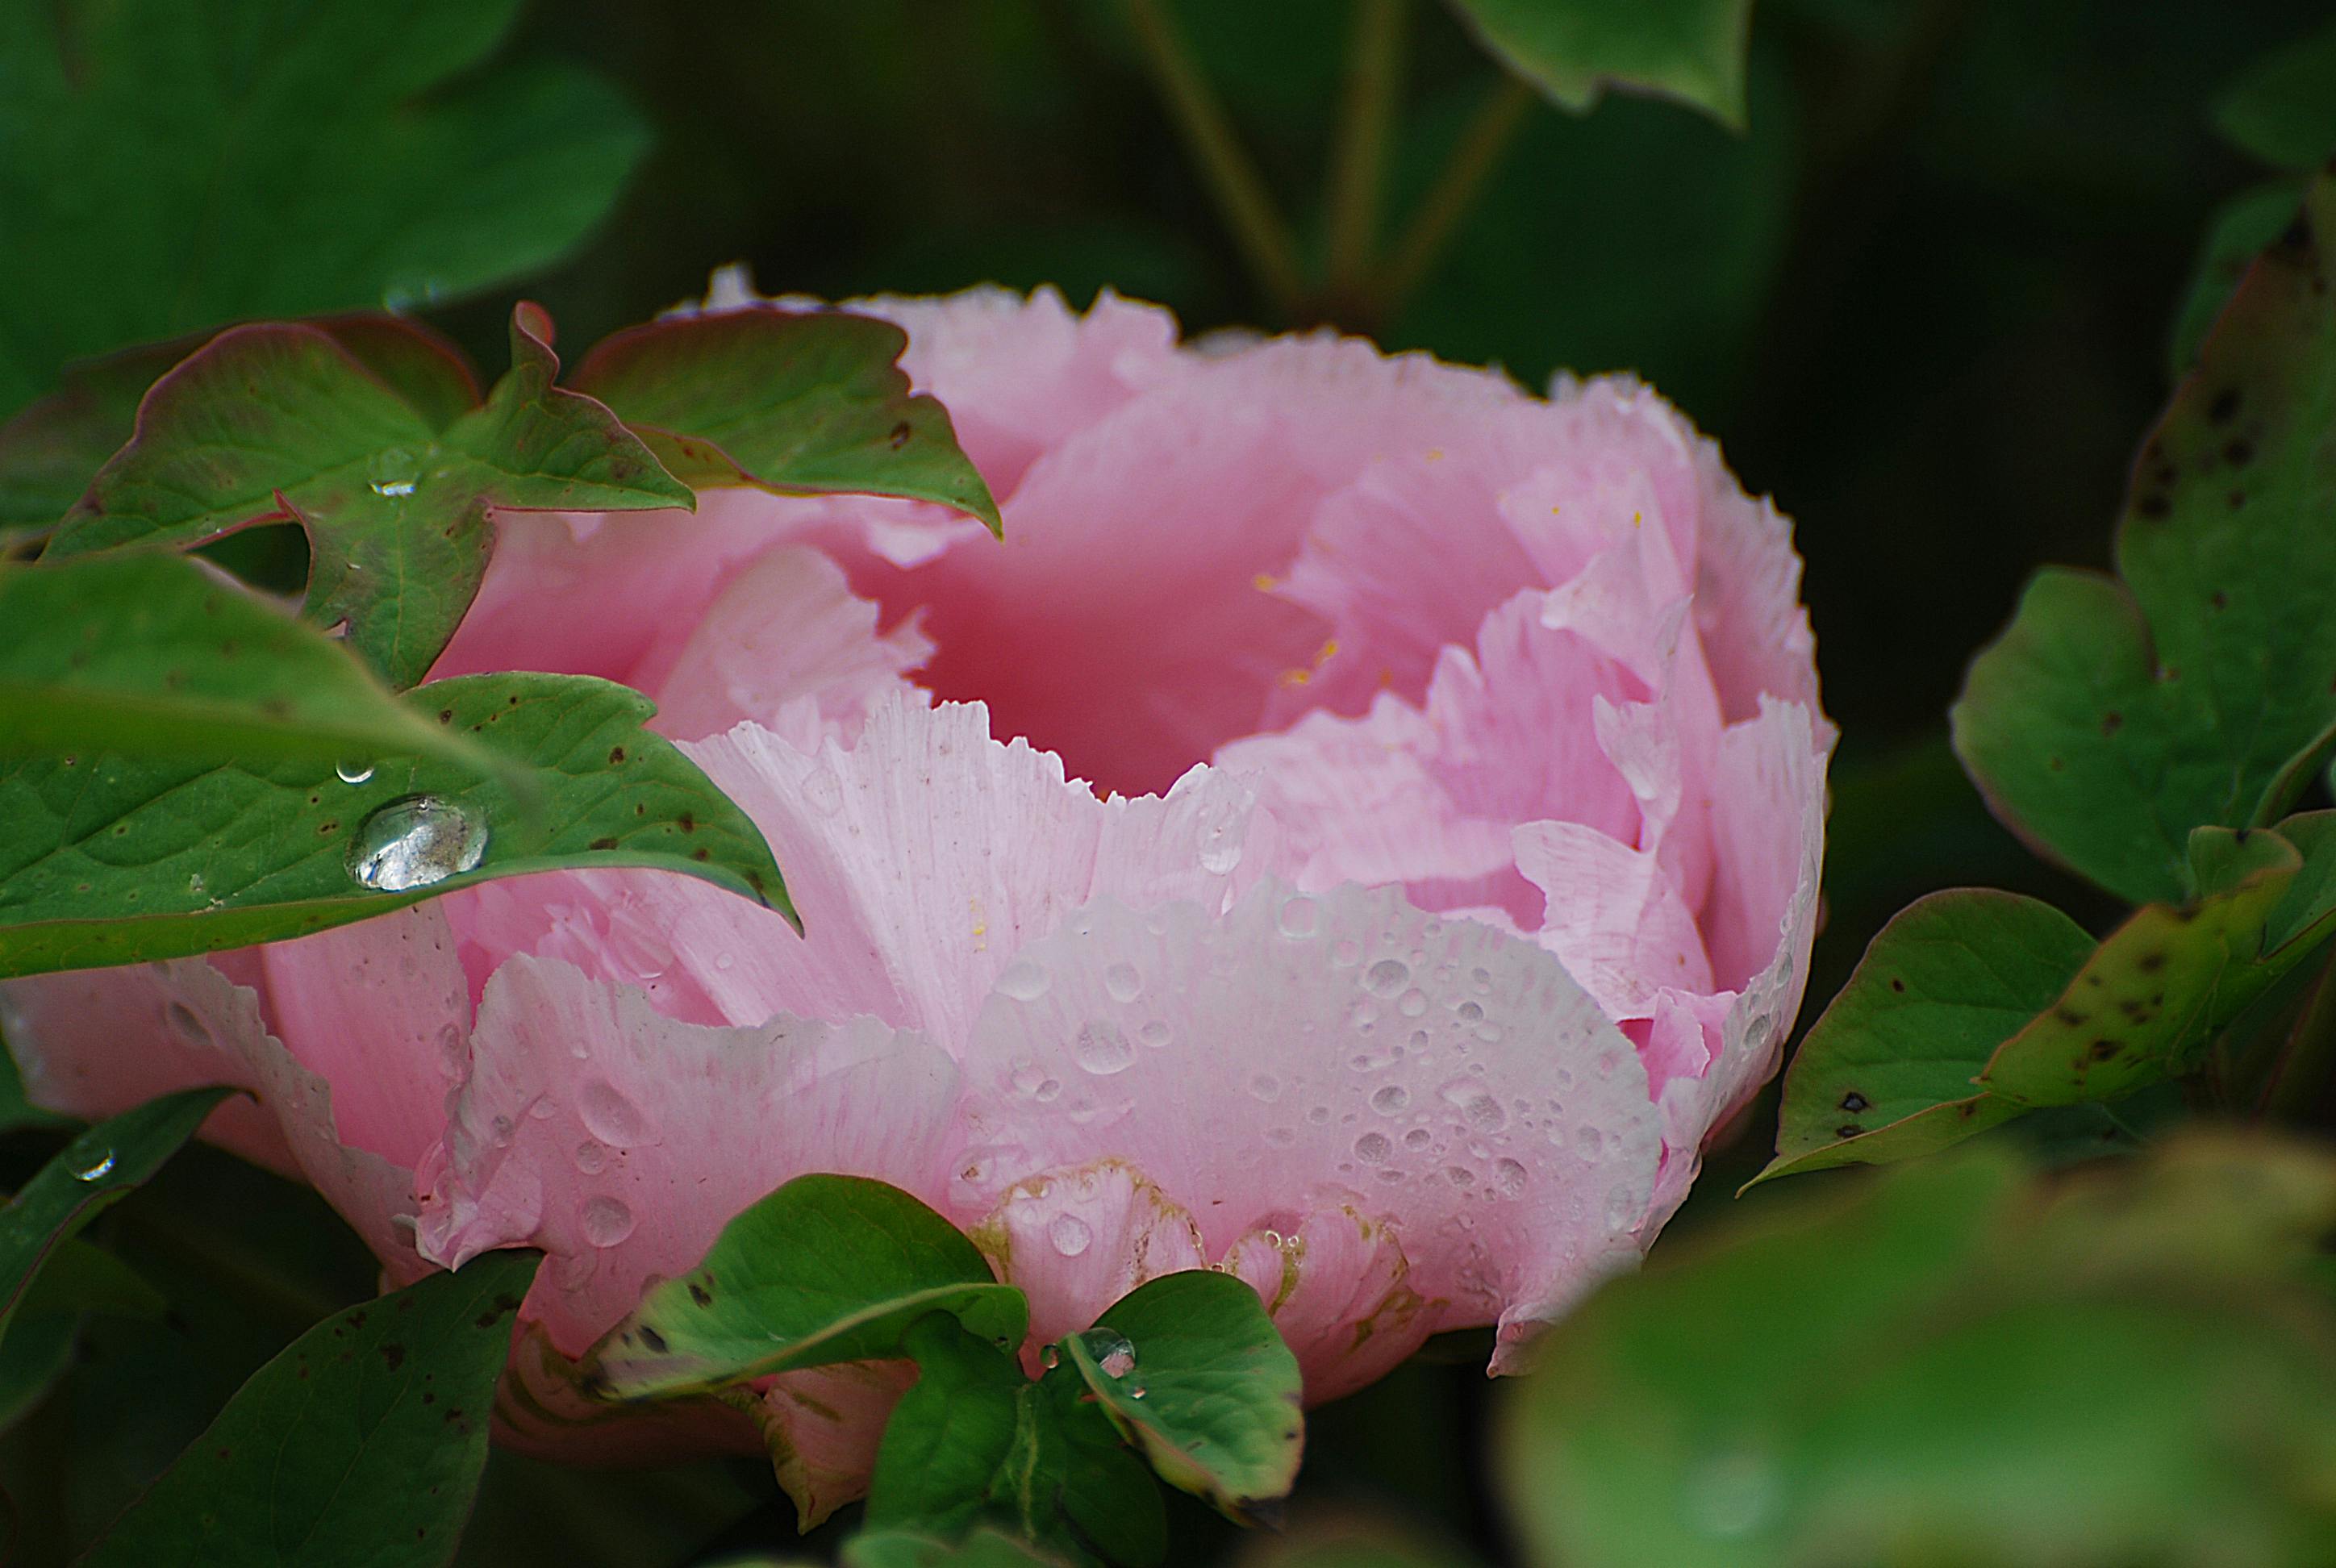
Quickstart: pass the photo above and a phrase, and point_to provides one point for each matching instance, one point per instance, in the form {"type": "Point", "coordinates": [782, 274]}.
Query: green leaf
{"type": "Point", "coordinates": [826, 1269]}
{"type": "Point", "coordinates": [2113, 718]}
{"type": "Point", "coordinates": [176, 168]}
{"type": "Point", "coordinates": [2239, 230]}
{"type": "Point", "coordinates": [2160, 987]}
{"type": "Point", "coordinates": [1954, 1365]}
{"type": "Point", "coordinates": [791, 401]}
{"type": "Point", "coordinates": [361, 1443]}
{"type": "Point", "coordinates": [97, 1170]}
{"type": "Point", "coordinates": [1890, 1071]}
{"type": "Point", "coordinates": [1572, 50]}
{"type": "Point", "coordinates": [984, 1548]}
{"type": "Point", "coordinates": [2282, 108]}
{"type": "Point", "coordinates": [2308, 911]}
{"type": "Point", "coordinates": [39, 1346]}
{"type": "Point", "coordinates": [51, 450]}
{"type": "Point", "coordinates": [109, 861]}
{"type": "Point", "coordinates": [1194, 1375]}
{"type": "Point", "coordinates": [282, 424]}
{"type": "Point", "coordinates": [151, 656]}
{"type": "Point", "coordinates": [973, 1442]}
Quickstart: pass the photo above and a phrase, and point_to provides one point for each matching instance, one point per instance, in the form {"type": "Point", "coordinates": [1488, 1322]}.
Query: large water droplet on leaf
{"type": "Point", "coordinates": [353, 773]}
{"type": "Point", "coordinates": [416, 841]}
{"type": "Point", "coordinates": [95, 1169]}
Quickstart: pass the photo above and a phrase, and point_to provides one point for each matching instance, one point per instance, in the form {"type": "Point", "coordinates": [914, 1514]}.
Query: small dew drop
{"type": "Point", "coordinates": [1469, 1012]}
{"type": "Point", "coordinates": [1050, 1358]}
{"type": "Point", "coordinates": [591, 1156]}
{"type": "Point", "coordinates": [1156, 1034]}
{"type": "Point", "coordinates": [1414, 1003]}
{"type": "Point", "coordinates": [823, 791]}
{"type": "Point", "coordinates": [353, 773]}
{"type": "Point", "coordinates": [1387, 976]}
{"type": "Point", "coordinates": [1390, 1098]}
{"type": "Point", "coordinates": [1591, 1143]}
{"type": "Point", "coordinates": [1298, 919]}
{"type": "Point", "coordinates": [415, 842]}
{"type": "Point", "coordinates": [1070, 1235]}
{"type": "Point", "coordinates": [606, 1220]}
{"type": "Point", "coordinates": [1024, 980]}
{"type": "Point", "coordinates": [1117, 1359]}
{"type": "Point", "coordinates": [95, 1170]}
{"type": "Point", "coordinates": [1137, 1392]}
{"type": "Point", "coordinates": [609, 1117]}
{"type": "Point", "coordinates": [1102, 1050]}
{"type": "Point", "coordinates": [1373, 1148]}
{"type": "Point", "coordinates": [1347, 953]}
{"type": "Point", "coordinates": [1509, 1176]}
{"type": "Point", "coordinates": [1265, 1087]}
{"type": "Point", "coordinates": [1417, 1139]}
{"type": "Point", "coordinates": [1477, 1106]}
{"type": "Point", "coordinates": [394, 473]}
{"type": "Point", "coordinates": [1221, 848]}
{"type": "Point", "coordinates": [1123, 981]}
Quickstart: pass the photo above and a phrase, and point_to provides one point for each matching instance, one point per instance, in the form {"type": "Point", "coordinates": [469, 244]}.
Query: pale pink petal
{"type": "Point", "coordinates": [93, 1043]}
{"type": "Point", "coordinates": [1338, 1285]}
{"type": "Point", "coordinates": [380, 1011]}
{"type": "Point", "coordinates": [921, 859]}
{"type": "Point", "coordinates": [1427, 797]}
{"type": "Point", "coordinates": [1297, 1055]}
{"type": "Point", "coordinates": [1613, 918]}
{"type": "Point", "coordinates": [786, 644]}
{"type": "Point", "coordinates": [620, 1142]}
{"type": "Point", "coordinates": [822, 1426]}
{"type": "Point", "coordinates": [1076, 1241]}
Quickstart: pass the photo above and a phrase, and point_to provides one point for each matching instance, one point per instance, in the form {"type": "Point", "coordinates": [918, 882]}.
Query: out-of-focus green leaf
{"type": "Point", "coordinates": [2241, 227]}
{"type": "Point", "coordinates": [1572, 50]}
{"type": "Point", "coordinates": [172, 168]}
{"type": "Point", "coordinates": [281, 423]}
{"type": "Point", "coordinates": [2282, 108]}
{"type": "Point", "coordinates": [109, 861]}
{"type": "Point", "coordinates": [150, 656]}
{"type": "Point", "coordinates": [793, 401]}
{"type": "Point", "coordinates": [984, 1548]}
{"type": "Point", "coordinates": [1890, 1071]}
{"type": "Point", "coordinates": [1195, 1375]}
{"type": "Point", "coordinates": [361, 1444]}
{"type": "Point", "coordinates": [2115, 716]}
{"type": "Point", "coordinates": [826, 1269]}
{"type": "Point", "coordinates": [97, 1170]}
{"type": "Point", "coordinates": [39, 1347]}
{"type": "Point", "coordinates": [1954, 1367]}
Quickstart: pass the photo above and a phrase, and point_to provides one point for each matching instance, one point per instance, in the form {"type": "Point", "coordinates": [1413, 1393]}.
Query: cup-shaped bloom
{"type": "Point", "coordinates": [1360, 830]}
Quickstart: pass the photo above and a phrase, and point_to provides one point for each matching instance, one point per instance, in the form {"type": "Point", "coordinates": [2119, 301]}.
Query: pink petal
{"type": "Point", "coordinates": [382, 1011]}
{"type": "Point", "coordinates": [786, 644]}
{"type": "Point", "coordinates": [920, 858]}
{"type": "Point", "coordinates": [1349, 1051]}
{"type": "Point", "coordinates": [1338, 1285]}
{"type": "Point", "coordinates": [1613, 918]}
{"type": "Point", "coordinates": [91, 1043]}
{"type": "Point", "coordinates": [1076, 1241]}
{"type": "Point", "coordinates": [621, 1141]}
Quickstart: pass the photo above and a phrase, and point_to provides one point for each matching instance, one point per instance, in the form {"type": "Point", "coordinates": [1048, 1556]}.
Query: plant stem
{"type": "Point", "coordinates": [1472, 160]}
{"type": "Point", "coordinates": [1233, 180]}
{"type": "Point", "coordinates": [1359, 164]}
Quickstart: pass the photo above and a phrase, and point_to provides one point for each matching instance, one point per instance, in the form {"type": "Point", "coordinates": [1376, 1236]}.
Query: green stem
{"type": "Point", "coordinates": [1366, 120]}
{"type": "Point", "coordinates": [1464, 174]}
{"type": "Point", "coordinates": [1233, 180]}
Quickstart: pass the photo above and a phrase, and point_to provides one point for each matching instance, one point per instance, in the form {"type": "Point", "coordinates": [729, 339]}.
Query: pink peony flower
{"type": "Point", "coordinates": [1360, 830]}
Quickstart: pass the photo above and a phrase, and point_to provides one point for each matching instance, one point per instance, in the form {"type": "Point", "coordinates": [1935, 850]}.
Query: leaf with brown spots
{"type": "Point", "coordinates": [2215, 645]}
{"type": "Point", "coordinates": [283, 423]}
{"type": "Point", "coordinates": [797, 401]}
{"type": "Point", "coordinates": [1888, 1072]}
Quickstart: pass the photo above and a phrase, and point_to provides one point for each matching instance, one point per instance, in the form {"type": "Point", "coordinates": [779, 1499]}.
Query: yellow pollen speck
{"type": "Point", "coordinates": [1296, 677]}
{"type": "Point", "coordinates": [1266, 582]}
{"type": "Point", "coordinates": [1638, 517]}
{"type": "Point", "coordinates": [1329, 649]}
{"type": "Point", "coordinates": [1436, 454]}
